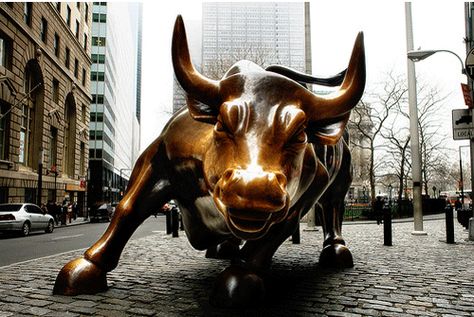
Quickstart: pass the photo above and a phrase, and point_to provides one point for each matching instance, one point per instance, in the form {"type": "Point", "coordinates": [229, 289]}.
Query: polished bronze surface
{"type": "Point", "coordinates": [247, 158]}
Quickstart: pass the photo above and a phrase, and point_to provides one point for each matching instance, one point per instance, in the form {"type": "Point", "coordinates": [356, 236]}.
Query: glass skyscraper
{"type": "Point", "coordinates": [115, 89]}
{"type": "Point", "coordinates": [263, 32]}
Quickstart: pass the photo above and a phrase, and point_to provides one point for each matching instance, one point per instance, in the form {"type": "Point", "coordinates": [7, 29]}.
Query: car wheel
{"type": "Point", "coordinates": [50, 227]}
{"type": "Point", "coordinates": [25, 229]}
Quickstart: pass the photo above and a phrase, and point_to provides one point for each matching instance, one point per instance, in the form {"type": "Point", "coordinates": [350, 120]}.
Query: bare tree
{"type": "Point", "coordinates": [221, 63]}
{"type": "Point", "coordinates": [370, 117]}
{"type": "Point", "coordinates": [433, 153]}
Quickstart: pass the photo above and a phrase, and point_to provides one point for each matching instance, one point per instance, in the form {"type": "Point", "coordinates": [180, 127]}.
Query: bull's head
{"type": "Point", "coordinates": [262, 125]}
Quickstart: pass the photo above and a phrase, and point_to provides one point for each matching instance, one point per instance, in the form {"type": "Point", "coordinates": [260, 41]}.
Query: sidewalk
{"type": "Point", "coordinates": [163, 276]}
{"type": "Point", "coordinates": [74, 222]}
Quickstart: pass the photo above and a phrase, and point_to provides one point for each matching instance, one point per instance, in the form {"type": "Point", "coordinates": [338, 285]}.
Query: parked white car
{"type": "Point", "coordinates": [24, 218]}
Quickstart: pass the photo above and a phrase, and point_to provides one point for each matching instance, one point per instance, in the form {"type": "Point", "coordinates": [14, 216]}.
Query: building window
{"type": "Point", "coordinates": [4, 190]}
{"type": "Point", "coordinates": [84, 113]}
{"type": "Point", "coordinates": [98, 41]}
{"type": "Point", "coordinates": [77, 29]}
{"type": "Point", "coordinates": [25, 124]}
{"type": "Point", "coordinates": [27, 10]}
{"type": "Point", "coordinates": [44, 29]}
{"type": "Point", "coordinates": [86, 15]}
{"type": "Point", "coordinates": [5, 51]}
{"type": "Point", "coordinates": [53, 150]}
{"type": "Point", "coordinates": [58, 7]}
{"type": "Point", "coordinates": [78, 4]}
{"type": "Point", "coordinates": [30, 195]}
{"type": "Point", "coordinates": [98, 58]}
{"type": "Point", "coordinates": [56, 91]}
{"type": "Point", "coordinates": [99, 17]}
{"type": "Point", "coordinates": [76, 68]}
{"type": "Point", "coordinates": [98, 99]}
{"type": "Point", "coordinates": [85, 41]}
{"type": "Point", "coordinates": [4, 129]}
{"type": "Point", "coordinates": [97, 76]}
{"type": "Point", "coordinates": [68, 58]}
{"type": "Point", "coordinates": [82, 159]}
{"type": "Point", "coordinates": [56, 44]}
{"type": "Point", "coordinates": [84, 75]}
{"type": "Point", "coordinates": [68, 16]}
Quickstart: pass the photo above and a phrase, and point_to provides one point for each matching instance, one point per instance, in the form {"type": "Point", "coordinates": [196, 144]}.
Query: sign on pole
{"type": "Point", "coordinates": [470, 64]}
{"type": "Point", "coordinates": [462, 124]}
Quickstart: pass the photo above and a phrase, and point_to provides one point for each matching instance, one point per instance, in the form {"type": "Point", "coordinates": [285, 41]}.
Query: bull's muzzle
{"type": "Point", "coordinates": [251, 201]}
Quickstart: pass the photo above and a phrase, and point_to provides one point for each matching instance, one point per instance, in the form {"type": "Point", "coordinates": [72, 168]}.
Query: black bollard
{"type": "Point", "coordinates": [387, 225]}
{"type": "Point", "coordinates": [168, 221]}
{"type": "Point", "coordinates": [174, 222]}
{"type": "Point", "coordinates": [449, 224]}
{"type": "Point", "coordinates": [295, 238]}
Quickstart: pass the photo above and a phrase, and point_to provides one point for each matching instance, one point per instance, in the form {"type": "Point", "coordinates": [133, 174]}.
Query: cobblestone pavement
{"type": "Point", "coordinates": [163, 276]}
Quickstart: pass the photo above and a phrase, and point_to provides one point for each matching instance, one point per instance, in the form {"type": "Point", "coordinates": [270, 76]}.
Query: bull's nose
{"type": "Point", "coordinates": [248, 189]}
{"type": "Point", "coordinates": [271, 179]}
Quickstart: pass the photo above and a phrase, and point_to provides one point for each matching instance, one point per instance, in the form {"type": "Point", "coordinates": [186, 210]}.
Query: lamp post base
{"type": "Point", "coordinates": [471, 229]}
{"type": "Point", "coordinates": [419, 233]}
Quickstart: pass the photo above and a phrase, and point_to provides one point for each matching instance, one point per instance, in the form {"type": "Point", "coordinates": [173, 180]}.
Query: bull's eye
{"type": "Point", "coordinates": [219, 127]}
{"type": "Point", "coordinates": [299, 137]}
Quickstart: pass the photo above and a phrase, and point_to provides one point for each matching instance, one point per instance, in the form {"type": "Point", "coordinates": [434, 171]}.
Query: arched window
{"type": "Point", "coordinates": [69, 136]}
{"type": "Point", "coordinates": [31, 119]}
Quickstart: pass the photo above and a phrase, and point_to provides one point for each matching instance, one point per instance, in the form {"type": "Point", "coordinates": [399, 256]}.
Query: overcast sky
{"type": "Point", "coordinates": [436, 25]}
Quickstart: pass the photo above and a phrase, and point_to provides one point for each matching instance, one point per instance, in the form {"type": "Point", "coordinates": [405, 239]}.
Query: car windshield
{"type": "Point", "coordinates": [10, 207]}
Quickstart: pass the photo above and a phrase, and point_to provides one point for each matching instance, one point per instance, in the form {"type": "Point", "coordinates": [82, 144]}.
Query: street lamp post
{"type": "Point", "coordinates": [414, 135]}
{"type": "Point", "coordinates": [419, 55]}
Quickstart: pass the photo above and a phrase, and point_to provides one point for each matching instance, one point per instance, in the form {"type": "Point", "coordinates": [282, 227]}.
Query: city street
{"type": "Point", "coordinates": [163, 276]}
{"type": "Point", "coordinates": [39, 244]}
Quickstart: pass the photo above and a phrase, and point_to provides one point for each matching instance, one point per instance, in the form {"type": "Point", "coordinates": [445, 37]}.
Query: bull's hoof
{"type": "Point", "coordinates": [225, 250]}
{"type": "Point", "coordinates": [336, 256]}
{"type": "Point", "coordinates": [80, 276]}
{"type": "Point", "coordinates": [237, 287]}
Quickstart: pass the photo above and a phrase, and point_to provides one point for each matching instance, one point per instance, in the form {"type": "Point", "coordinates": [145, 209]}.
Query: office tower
{"type": "Point", "coordinates": [115, 82]}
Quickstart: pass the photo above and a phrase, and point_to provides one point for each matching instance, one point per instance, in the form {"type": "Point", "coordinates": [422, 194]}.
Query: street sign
{"type": "Point", "coordinates": [462, 124]}
{"type": "Point", "coordinates": [466, 91]}
{"type": "Point", "coordinates": [470, 64]}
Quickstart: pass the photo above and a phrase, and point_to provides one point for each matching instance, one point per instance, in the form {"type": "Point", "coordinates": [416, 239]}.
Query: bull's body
{"type": "Point", "coordinates": [247, 158]}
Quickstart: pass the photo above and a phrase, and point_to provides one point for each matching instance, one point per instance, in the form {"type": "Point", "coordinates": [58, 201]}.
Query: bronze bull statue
{"type": "Point", "coordinates": [247, 158]}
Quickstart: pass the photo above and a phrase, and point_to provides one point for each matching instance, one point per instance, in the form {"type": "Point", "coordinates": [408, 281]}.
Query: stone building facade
{"type": "Point", "coordinates": [45, 99]}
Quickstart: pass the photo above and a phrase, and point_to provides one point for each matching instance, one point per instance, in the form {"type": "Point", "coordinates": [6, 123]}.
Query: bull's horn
{"type": "Point", "coordinates": [335, 105]}
{"type": "Point", "coordinates": [196, 85]}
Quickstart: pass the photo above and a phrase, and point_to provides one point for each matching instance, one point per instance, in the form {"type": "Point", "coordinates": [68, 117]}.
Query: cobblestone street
{"type": "Point", "coordinates": [163, 276]}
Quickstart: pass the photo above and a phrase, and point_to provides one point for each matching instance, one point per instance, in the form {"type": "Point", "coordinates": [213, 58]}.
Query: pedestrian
{"type": "Point", "coordinates": [378, 209]}
{"type": "Point", "coordinates": [64, 212]}
{"type": "Point", "coordinates": [75, 210]}
{"type": "Point", "coordinates": [69, 211]}
{"type": "Point", "coordinates": [458, 204]}
{"type": "Point", "coordinates": [44, 208]}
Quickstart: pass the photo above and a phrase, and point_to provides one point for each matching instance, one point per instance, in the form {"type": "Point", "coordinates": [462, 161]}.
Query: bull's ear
{"type": "Point", "coordinates": [327, 132]}
{"type": "Point", "coordinates": [201, 112]}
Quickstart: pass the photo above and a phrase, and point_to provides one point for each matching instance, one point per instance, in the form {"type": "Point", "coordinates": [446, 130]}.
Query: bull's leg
{"type": "Point", "coordinates": [147, 191]}
{"type": "Point", "coordinates": [335, 253]}
{"type": "Point", "coordinates": [229, 249]}
{"type": "Point", "coordinates": [242, 284]}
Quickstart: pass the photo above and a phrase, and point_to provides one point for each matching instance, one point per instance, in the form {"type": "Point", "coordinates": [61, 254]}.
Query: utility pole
{"type": "Point", "coordinates": [414, 134]}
